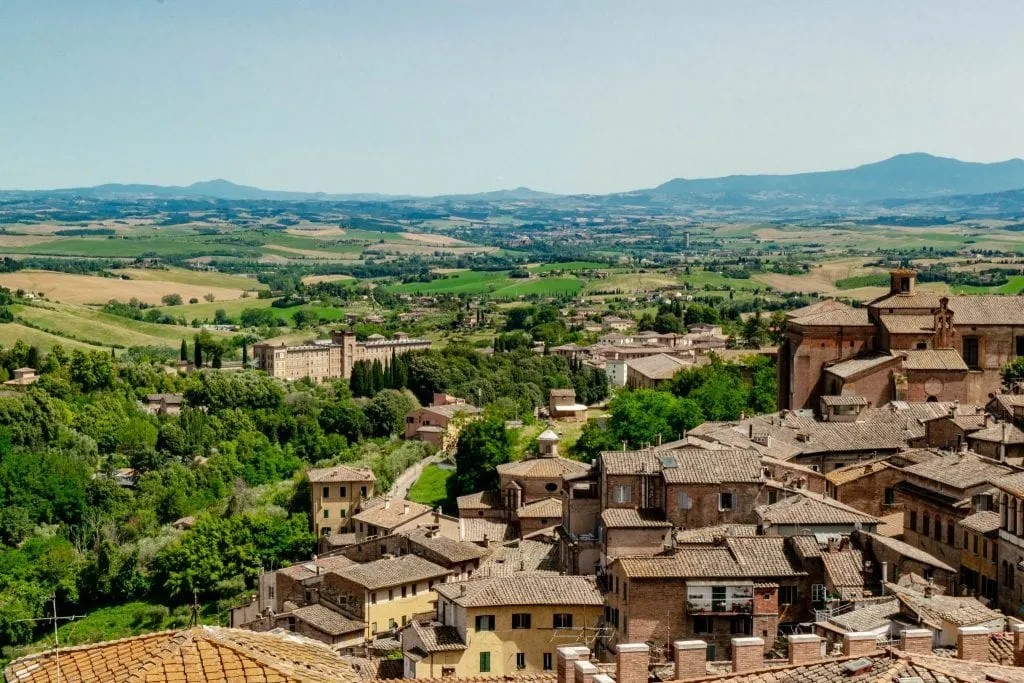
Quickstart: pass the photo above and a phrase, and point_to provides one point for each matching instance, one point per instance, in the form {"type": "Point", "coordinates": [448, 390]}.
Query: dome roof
{"type": "Point", "coordinates": [547, 435]}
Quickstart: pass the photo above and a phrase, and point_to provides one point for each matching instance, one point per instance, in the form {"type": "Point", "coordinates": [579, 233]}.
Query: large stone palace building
{"type": "Point", "coordinates": [910, 345]}
{"type": "Point", "coordinates": [330, 358]}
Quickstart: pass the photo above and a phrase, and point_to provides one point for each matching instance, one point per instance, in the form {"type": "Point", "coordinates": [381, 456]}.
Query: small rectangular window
{"type": "Point", "coordinates": [485, 662]}
{"type": "Point", "coordinates": [520, 660]}
{"type": "Point", "coordinates": [327, 492]}
{"type": "Point", "coordinates": [327, 513]}
{"type": "Point", "coordinates": [485, 622]}
{"type": "Point", "coordinates": [373, 598]}
{"type": "Point", "coordinates": [341, 492]}
{"type": "Point", "coordinates": [890, 496]}
{"type": "Point", "coordinates": [725, 501]}
{"type": "Point", "coordinates": [404, 589]}
{"type": "Point", "coordinates": [520, 620]}
{"type": "Point", "coordinates": [971, 353]}
{"type": "Point", "coordinates": [913, 520]}
{"type": "Point", "coordinates": [703, 624]}
{"type": "Point", "coordinates": [975, 545]}
{"type": "Point", "coordinates": [787, 595]}
{"type": "Point", "coordinates": [623, 494]}
{"type": "Point", "coordinates": [547, 661]}
{"type": "Point", "coordinates": [562, 621]}
{"type": "Point", "coordinates": [1020, 346]}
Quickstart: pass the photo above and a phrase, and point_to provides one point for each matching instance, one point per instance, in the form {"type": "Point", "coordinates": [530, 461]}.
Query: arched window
{"type": "Point", "coordinates": [926, 525]}
{"type": "Point", "coordinates": [1013, 515]}
{"type": "Point", "coordinates": [950, 534]}
{"type": "Point", "coordinates": [938, 529]}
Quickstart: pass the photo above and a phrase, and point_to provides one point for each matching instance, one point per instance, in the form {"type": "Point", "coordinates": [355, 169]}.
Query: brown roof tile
{"type": "Point", "coordinates": [391, 513]}
{"type": "Point", "coordinates": [542, 468]}
{"type": "Point", "coordinates": [933, 359]}
{"type": "Point", "coordinates": [960, 471]}
{"type": "Point", "coordinates": [523, 589]}
{"type": "Point", "coordinates": [633, 518]}
{"type": "Point", "coordinates": [808, 508]}
{"type": "Point", "coordinates": [983, 522]}
{"type": "Point", "coordinates": [198, 654]}
{"type": "Point", "coordinates": [392, 571]}
{"type": "Point", "coordinates": [325, 619]}
{"type": "Point", "coordinates": [340, 473]}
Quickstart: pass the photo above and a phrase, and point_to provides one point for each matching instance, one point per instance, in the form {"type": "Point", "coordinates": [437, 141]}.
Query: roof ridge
{"type": "Point", "coordinates": [282, 665]}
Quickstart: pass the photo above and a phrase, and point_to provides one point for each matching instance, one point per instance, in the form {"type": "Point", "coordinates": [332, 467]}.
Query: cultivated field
{"type": "Point", "coordinates": [90, 289]}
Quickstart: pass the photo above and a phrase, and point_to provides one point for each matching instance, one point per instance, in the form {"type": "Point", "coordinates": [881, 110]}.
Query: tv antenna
{"type": "Point", "coordinates": [56, 618]}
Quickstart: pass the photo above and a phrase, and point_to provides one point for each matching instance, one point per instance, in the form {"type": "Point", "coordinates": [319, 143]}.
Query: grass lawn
{"type": "Point", "coordinates": [1014, 286]}
{"type": "Point", "coordinates": [570, 266]}
{"type": "Point", "coordinates": [206, 310]}
{"type": "Point", "coordinates": [10, 333]}
{"type": "Point", "coordinates": [430, 488]}
{"type": "Point", "coordinates": [111, 623]}
{"type": "Point", "coordinates": [200, 278]}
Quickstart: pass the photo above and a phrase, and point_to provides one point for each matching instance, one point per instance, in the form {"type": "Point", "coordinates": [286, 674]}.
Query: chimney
{"type": "Point", "coordinates": [690, 659]}
{"type": "Point", "coordinates": [631, 662]}
{"type": "Point", "coordinates": [750, 431]}
{"type": "Point", "coordinates": [858, 644]}
{"type": "Point", "coordinates": [567, 657]}
{"type": "Point", "coordinates": [804, 648]}
{"type": "Point", "coordinates": [916, 641]}
{"type": "Point", "coordinates": [972, 643]}
{"type": "Point", "coordinates": [1018, 644]}
{"type": "Point", "coordinates": [387, 502]}
{"type": "Point", "coordinates": [747, 654]}
{"type": "Point", "coordinates": [405, 508]}
{"type": "Point", "coordinates": [584, 671]}
{"type": "Point", "coordinates": [659, 437]}
{"type": "Point", "coordinates": [885, 573]}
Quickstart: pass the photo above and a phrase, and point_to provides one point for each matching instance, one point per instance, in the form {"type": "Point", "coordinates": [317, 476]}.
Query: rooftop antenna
{"type": "Point", "coordinates": [193, 619]}
{"type": "Point", "coordinates": [56, 638]}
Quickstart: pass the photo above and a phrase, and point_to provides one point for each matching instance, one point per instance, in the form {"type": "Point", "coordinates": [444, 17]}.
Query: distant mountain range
{"type": "Point", "coordinates": [891, 182]}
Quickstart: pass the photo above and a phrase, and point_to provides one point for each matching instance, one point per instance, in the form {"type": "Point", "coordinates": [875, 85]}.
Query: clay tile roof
{"type": "Point", "coordinates": [657, 367]}
{"type": "Point", "coordinates": [483, 500]}
{"type": "Point", "coordinates": [909, 551]}
{"type": "Point", "coordinates": [195, 655]}
{"type": "Point", "coordinates": [438, 637]}
{"type": "Point", "coordinates": [806, 508]}
{"type": "Point", "coordinates": [708, 534]}
{"type": "Point", "coordinates": [454, 551]}
{"type": "Point", "coordinates": [393, 571]}
{"type": "Point", "coordinates": [630, 462]}
{"type": "Point", "coordinates": [838, 317]}
{"type": "Point", "coordinates": [868, 617]}
{"type": "Point", "coordinates": [526, 555]}
{"type": "Point", "coordinates": [848, 368]}
{"type": "Point", "coordinates": [695, 466]}
{"type": "Point", "coordinates": [844, 400]}
{"type": "Point", "coordinates": [632, 518]}
{"type": "Point", "coordinates": [1004, 432]}
{"type": "Point", "coordinates": [340, 473]}
{"type": "Point", "coordinates": [390, 514]}
{"type": "Point", "coordinates": [908, 324]}
{"type": "Point", "coordinates": [523, 589]}
{"type": "Point", "coordinates": [817, 308]}
{"type": "Point", "coordinates": [960, 611]}
{"type": "Point", "coordinates": [450, 410]}
{"type": "Point", "coordinates": [1011, 483]}
{"type": "Point", "coordinates": [983, 522]}
{"type": "Point", "coordinates": [326, 620]}
{"type": "Point", "coordinates": [844, 569]}
{"type": "Point", "coordinates": [305, 570]}
{"type": "Point", "coordinates": [960, 471]}
{"type": "Point", "coordinates": [542, 468]}
{"type": "Point", "coordinates": [738, 557]}
{"type": "Point", "coordinates": [545, 508]}
{"type": "Point", "coordinates": [933, 359]}
{"type": "Point", "coordinates": [474, 530]}
{"type": "Point", "coordinates": [987, 310]}
{"type": "Point", "coordinates": [806, 546]}
{"type": "Point", "coordinates": [845, 475]}
{"type": "Point", "coordinates": [497, 678]}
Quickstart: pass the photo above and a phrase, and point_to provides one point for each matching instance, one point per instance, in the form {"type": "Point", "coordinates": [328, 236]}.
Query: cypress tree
{"type": "Point", "coordinates": [245, 356]}
{"type": "Point", "coordinates": [216, 358]}
{"type": "Point", "coordinates": [379, 380]}
{"type": "Point", "coordinates": [184, 350]}
{"type": "Point", "coordinates": [197, 356]}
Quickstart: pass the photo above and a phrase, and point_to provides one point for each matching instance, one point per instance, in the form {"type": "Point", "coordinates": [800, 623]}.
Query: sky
{"type": "Point", "coordinates": [438, 96]}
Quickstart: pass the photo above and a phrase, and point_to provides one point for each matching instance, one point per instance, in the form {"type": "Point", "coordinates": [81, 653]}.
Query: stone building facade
{"type": "Point", "coordinates": [329, 359]}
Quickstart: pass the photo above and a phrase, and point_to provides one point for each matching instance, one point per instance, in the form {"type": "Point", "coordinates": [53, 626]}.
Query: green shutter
{"type": "Point", "coordinates": [485, 662]}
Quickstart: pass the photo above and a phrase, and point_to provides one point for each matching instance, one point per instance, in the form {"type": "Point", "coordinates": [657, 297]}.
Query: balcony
{"type": "Point", "coordinates": [734, 605]}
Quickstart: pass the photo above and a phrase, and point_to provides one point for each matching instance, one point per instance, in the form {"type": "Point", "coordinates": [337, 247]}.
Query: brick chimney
{"type": "Point", "coordinates": [804, 648]}
{"type": "Point", "coordinates": [972, 643]}
{"type": "Point", "coordinates": [1018, 644]}
{"type": "Point", "coordinates": [916, 641]}
{"type": "Point", "coordinates": [585, 671]}
{"type": "Point", "coordinates": [690, 659]}
{"type": "Point", "coordinates": [747, 654]}
{"type": "Point", "coordinates": [858, 644]}
{"type": "Point", "coordinates": [567, 657]}
{"type": "Point", "coordinates": [631, 662]}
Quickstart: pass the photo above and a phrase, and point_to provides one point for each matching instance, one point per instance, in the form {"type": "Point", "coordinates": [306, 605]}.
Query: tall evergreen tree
{"type": "Point", "coordinates": [197, 355]}
{"type": "Point", "coordinates": [378, 381]}
{"type": "Point", "coordinates": [184, 350]}
{"type": "Point", "coordinates": [245, 356]}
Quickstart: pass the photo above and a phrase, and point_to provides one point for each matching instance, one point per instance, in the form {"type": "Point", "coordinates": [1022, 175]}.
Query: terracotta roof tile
{"type": "Point", "coordinates": [808, 508]}
{"type": "Point", "coordinates": [393, 571]}
{"type": "Point", "coordinates": [389, 514]}
{"type": "Point", "coordinates": [340, 473]}
{"type": "Point", "coordinates": [933, 359]}
{"type": "Point", "coordinates": [325, 619]}
{"type": "Point", "coordinates": [983, 522]}
{"type": "Point", "coordinates": [523, 589]}
{"type": "Point", "coordinates": [542, 468]}
{"type": "Point", "coordinates": [633, 518]}
{"type": "Point", "coordinates": [545, 508]}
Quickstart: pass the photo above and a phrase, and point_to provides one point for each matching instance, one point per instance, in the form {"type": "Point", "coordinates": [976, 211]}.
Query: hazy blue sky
{"type": "Point", "coordinates": [432, 97]}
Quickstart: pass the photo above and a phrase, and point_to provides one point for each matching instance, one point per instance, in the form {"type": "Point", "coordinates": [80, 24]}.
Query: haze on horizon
{"type": "Point", "coordinates": [452, 97]}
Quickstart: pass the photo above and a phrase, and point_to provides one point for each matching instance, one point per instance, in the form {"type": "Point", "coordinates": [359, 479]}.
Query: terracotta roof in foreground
{"type": "Point", "coordinates": [194, 655]}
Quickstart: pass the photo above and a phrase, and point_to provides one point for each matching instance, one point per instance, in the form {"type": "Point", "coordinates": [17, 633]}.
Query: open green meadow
{"type": "Point", "coordinates": [493, 283]}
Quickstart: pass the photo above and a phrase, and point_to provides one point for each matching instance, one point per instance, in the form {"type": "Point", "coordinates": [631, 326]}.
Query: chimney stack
{"type": "Point", "coordinates": [387, 502]}
{"type": "Point", "coordinates": [567, 657]}
{"type": "Point", "coordinates": [584, 671]}
{"type": "Point", "coordinates": [858, 644]}
{"type": "Point", "coordinates": [804, 648]}
{"type": "Point", "coordinates": [405, 508]}
{"type": "Point", "coordinates": [1018, 644]}
{"type": "Point", "coordinates": [885, 573]}
{"type": "Point", "coordinates": [916, 641]}
{"type": "Point", "coordinates": [631, 662]}
{"type": "Point", "coordinates": [690, 659]}
{"type": "Point", "coordinates": [972, 643]}
{"type": "Point", "coordinates": [747, 654]}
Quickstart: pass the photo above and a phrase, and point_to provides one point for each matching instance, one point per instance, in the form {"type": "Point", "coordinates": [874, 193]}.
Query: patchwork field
{"type": "Point", "coordinates": [494, 283]}
{"type": "Point", "coordinates": [90, 289]}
